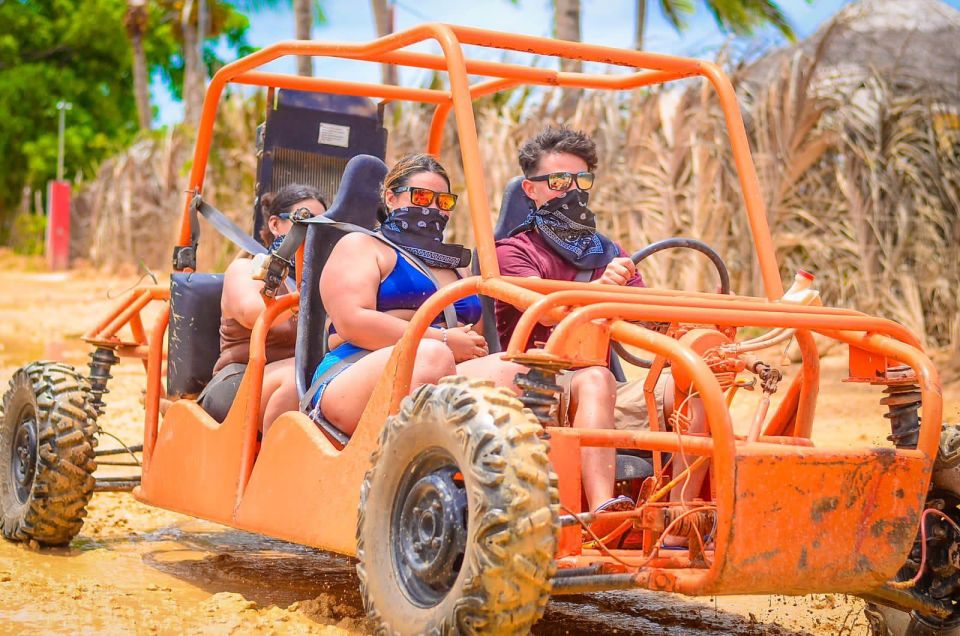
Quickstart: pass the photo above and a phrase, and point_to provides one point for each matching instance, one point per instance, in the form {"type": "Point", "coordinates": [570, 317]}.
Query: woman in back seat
{"type": "Point", "coordinates": [241, 304]}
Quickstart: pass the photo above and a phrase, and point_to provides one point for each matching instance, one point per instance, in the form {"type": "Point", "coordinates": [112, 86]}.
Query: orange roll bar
{"type": "Point", "coordinates": [151, 402]}
{"type": "Point", "coordinates": [439, 120]}
{"type": "Point", "coordinates": [728, 318]}
{"type": "Point", "coordinates": [645, 440]}
{"type": "Point", "coordinates": [342, 87]}
{"type": "Point", "coordinates": [406, 347]}
{"type": "Point", "coordinates": [387, 50]}
{"type": "Point", "coordinates": [258, 360]}
{"type": "Point", "coordinates": [721, 428]}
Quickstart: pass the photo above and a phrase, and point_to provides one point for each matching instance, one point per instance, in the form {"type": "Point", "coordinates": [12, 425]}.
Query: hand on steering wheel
{"type": "Point", "coordinates": [674, 243]}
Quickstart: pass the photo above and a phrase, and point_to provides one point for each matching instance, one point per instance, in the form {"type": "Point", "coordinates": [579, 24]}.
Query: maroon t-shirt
{"type": "Point", "coordinates": [525, 255]}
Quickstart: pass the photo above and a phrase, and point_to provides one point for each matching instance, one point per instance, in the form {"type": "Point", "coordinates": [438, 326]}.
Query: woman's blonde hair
{"type": "Point", "coordinates": [409, 165]}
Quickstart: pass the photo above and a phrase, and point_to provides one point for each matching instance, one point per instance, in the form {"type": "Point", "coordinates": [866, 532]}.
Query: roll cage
{"type": "Point", "coordinates": [242, 481]}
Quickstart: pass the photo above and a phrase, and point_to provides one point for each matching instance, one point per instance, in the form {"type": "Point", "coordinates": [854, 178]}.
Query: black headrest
{"type": "Point", "coordinates": [358, 198]}
{"type": "Point", "coordinates": [515, 206]}
{"type": "Point", "coordinates": [357, 202]}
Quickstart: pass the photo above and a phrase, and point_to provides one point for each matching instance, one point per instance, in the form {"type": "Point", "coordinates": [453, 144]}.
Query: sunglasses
{"type": "Point", "coordinates": [297, 215]}
{"type": "Point", "coordinates": [563, 180]}
{"type": "Point", "coordinates": [423, 197]}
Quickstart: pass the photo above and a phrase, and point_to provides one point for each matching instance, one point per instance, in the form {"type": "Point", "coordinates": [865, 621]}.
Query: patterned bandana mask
{"type": "Point", "coordinates": [420, 231]}
{"type": "Point", "coordinates": [570, 228]}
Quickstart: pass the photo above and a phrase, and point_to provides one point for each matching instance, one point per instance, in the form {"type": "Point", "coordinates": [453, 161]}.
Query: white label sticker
{"type": "Point", "coordinates": [334, 135]}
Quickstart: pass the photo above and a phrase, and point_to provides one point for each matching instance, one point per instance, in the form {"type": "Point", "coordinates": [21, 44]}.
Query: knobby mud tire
{"type": "Point", "coordinates": [51, 508]}
{"type": "Point", "coordinates": [503, 584]}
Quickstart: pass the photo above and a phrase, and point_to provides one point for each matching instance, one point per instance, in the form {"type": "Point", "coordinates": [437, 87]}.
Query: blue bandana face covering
{"type": "Point", "coordinates": [570, 228]}
{"type": "Point", "coordinates": [420, 231]}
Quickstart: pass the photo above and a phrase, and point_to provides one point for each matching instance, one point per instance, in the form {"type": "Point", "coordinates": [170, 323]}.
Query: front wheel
{"type": "Point", "coordinates": [458, 515]}
{"type": "Point", "coordinates": [46, 454]}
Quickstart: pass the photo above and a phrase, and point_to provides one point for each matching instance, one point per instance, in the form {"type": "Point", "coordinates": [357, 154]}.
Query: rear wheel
{"type": "Point", "coordinates": [46, 454]}
{"type": "Point", "coordinates": [458, 515]}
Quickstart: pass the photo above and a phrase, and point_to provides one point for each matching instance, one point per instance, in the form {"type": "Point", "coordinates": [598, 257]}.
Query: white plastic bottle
{"type": "Point", "coordinates": [801, 292]}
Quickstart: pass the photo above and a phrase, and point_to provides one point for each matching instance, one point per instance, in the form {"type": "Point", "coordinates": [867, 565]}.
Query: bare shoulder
{"type": "Point", "coordinates": [358, 244]}
{"type": "Point", "coordinates": [358, 241]}
{"type": "Point", "coordinates": [240, 267]}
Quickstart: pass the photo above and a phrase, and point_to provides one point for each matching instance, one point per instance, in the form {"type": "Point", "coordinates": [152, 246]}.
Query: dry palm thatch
{"type": "Point", "coordinates": [131, 211]}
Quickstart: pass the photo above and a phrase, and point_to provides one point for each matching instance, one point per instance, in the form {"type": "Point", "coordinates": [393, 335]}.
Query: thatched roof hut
{"type": "Point", "coordinates": [906, 42]}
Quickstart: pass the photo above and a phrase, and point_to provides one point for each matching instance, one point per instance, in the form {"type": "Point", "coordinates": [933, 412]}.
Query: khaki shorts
{"type": "Point", "coordinates": [630, 409]}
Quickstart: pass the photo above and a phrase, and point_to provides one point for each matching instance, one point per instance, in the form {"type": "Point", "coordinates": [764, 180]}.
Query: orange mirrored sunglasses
{"type": "Point", "coordinates": [424, 197]}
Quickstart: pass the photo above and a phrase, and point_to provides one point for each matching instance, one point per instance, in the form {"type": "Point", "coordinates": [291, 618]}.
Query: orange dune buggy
{"type": "Point", "coordinates": [462, 502]}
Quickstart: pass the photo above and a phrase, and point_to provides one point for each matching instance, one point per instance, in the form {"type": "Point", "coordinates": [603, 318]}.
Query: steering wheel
{"type": "Point", "coordinates": [666, 244]}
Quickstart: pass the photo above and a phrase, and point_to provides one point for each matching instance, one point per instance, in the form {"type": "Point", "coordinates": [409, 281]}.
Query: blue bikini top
{"type": "Point", "coordinates": [407, 287]}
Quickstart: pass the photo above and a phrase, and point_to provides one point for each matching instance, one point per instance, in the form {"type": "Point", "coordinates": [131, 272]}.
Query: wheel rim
{"type": "Point", "coordinates": [23, 451]}
{"type": "Point", "coordinates": [429, 528]}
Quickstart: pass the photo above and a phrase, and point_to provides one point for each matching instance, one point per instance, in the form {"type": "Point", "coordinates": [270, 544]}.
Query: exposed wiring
{"type": "Point", "coordinates": [146, 272]}
{"type": "Point", "coordinates": [100, 431]}
{"type": "Point", "coordinates": [903, 585]}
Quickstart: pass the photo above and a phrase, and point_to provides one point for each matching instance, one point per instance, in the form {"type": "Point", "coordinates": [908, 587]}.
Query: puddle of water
{"type": "Point", "coordinates": [266, 571]}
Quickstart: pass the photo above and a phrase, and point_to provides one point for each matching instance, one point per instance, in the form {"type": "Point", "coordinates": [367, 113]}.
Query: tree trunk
{"type": "Point", "coordinates": [135, 21]}
{"type": "Point", "coordinates": [566, 26]}
{"type": "Point", "coordinates": [383, 17]}
{"type": "Point", "coordinates": [193, 75]}
{"type": "Point", "coordinates": [640, 24]}
{"type": "Point", "coordinates": [303, 15]}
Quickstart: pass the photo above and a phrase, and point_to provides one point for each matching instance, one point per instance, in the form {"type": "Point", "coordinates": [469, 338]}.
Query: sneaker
{"type": "Point", "coordinates": [602, 527]}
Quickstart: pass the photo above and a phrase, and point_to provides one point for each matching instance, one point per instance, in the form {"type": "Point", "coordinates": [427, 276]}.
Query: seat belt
{"type": "Point", "coordinates": [326, 376]}
{"type": "Point", "coordinates": [227, 229]}
{"type": "Point", "coordinates": [449, 312]}
{"type": "Point", "coordinates": [583, 276]}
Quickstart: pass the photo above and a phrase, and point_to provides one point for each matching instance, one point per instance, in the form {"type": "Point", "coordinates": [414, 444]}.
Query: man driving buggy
{"type": "Point", "coordinates": [559, 241]}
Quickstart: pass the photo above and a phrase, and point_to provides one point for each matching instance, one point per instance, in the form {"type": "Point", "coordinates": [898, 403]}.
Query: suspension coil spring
{"type": "Point", "coordinates": [702, 522]}
{"type": "Point", "coordinates": [540, 392]}
{"type": "Point", "coordinates": [101, 360]}
{"type": "Point", "coordinates": [903, 404]}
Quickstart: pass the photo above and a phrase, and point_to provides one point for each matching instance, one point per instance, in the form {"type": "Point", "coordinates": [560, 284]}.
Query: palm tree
{"type": "Point", "coordinates": [383, 18]}
{"type": "Point", "coordinates": [306, 13]}
{"type": "Point", "coordinates": [566, 26]}
{"type": "Point", "coordinates": [135, 20]}
{"type": "Point", "coordinates": [194, 72]}
{"type": "Point", "coordinates": [741, 17]}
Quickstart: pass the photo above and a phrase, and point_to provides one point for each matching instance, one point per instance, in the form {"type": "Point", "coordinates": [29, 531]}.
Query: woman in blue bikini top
{"type": "Point", "coordinates": [371, 289]}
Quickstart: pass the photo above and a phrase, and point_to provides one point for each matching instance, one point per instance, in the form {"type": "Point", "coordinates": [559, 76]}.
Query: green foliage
{"type": "Point", "coordinates": [742, 17]}
{"type": "Point", "coordinates": [164, 39]}
{"type": "Point", "coordinates": [28, 233]}
{"type": "Point", "coordinates": [78, 51]}
{"type": "Point", "coordinates": [50, 50]}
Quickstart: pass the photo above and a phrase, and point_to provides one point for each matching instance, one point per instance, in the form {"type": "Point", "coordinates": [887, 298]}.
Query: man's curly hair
{"type": "Point", "coordinates": [557, 139]}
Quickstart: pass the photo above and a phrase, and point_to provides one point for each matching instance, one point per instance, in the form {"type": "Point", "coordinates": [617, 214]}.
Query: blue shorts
{"type": "Point", "coordinates": [332, 358]}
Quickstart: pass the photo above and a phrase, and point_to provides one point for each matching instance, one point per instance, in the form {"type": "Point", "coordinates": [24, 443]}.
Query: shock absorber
{"type": "Point", "coordinates": [101, 360]}
{"type": "Point", "coordinates": [902, 400]}
{"type": "Point", "coordinates": [539, 390]}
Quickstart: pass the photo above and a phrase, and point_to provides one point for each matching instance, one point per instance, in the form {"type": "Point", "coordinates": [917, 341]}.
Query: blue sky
{"type": "Point", "coordinates": [607, 22]}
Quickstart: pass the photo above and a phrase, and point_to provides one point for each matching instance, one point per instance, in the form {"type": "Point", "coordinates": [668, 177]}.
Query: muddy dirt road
{"type": "Point", "coordinates": [138, 569]}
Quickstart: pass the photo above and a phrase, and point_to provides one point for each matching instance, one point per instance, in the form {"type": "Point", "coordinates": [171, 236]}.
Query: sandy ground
{"type": "Point", "coordinates": [144, 570]}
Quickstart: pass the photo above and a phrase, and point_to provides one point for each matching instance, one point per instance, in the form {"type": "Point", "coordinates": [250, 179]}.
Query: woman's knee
{"type": "Point", "coordinates": [434, 360]}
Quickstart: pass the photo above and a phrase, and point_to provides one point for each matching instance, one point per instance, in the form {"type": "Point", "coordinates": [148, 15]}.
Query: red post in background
{"type": "Point", "coordinates": [58, 225]}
